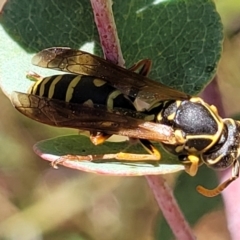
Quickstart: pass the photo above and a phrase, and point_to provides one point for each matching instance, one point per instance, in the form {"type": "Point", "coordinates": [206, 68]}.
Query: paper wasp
{"type": "Point", "coordinates": [102, 98]}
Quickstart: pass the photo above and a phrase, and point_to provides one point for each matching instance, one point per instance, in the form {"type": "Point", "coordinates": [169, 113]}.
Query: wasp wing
{"type": "Point", "coordinates": [128, 82]}
{"type": "Point", "coordinates": [63, 114]}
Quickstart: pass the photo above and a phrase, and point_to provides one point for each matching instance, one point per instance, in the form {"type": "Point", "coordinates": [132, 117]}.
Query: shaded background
{"type": "Point", "coordinates": [38, 202]}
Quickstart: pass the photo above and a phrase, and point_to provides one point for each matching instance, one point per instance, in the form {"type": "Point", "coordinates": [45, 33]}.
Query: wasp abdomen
{"type": "Point", "coordinates": [81, 89]}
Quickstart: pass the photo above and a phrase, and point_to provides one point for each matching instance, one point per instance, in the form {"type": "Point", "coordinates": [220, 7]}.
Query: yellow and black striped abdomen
{"type": "Point", "coordinates": [81, 89]}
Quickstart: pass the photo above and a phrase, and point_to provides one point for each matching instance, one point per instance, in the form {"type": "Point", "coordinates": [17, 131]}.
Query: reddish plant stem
{"type": "Point", "coordinates": [166, 201]}
{"type": "Point", "coordinates": [103, 15]}
{"type": "Point", "coordinates": [111, 47]}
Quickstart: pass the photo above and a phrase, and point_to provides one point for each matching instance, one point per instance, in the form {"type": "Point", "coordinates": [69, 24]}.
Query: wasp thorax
{"type": "Point", "coordinates": [200, 126]}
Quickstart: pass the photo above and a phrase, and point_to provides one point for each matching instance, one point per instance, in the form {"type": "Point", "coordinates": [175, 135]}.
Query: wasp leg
{"type": "Point", "coordinates": [193, 163]}
{"type": "Point", "coordinates": [34, 76]}
{"type": "Point", "coordinates": [214, 192]}
{"type": "Point", "coordinates": [154, 155]}
{"type": "Point", "coordinates": [143, 67]}
{"type": "Point", "coordinates": [98, 137]}
{"type": "Point", "coordinates": [80, 158]}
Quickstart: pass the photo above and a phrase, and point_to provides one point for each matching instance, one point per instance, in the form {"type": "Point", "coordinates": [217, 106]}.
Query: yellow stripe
{"type": "Point", "coordinates": [171, 116]}
{"type": "Point", "coordinates": [39, 83]}
{"type": "Point", "coordinates": [52, 87]}
{"type": "Point", "coordinates": [159, 117]}
{"type": "Point", "coordinates": [98, 82]}
{"type": "Point", "coordinates": [71, 86]}
{"type": "Point", "coordinates": [31, 89]}
{"type": "Point", "coordinates": [111, 98]}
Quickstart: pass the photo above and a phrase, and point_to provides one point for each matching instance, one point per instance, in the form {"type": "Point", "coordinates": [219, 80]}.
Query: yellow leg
{"type": "Point", "coordinates": [132, 157]}
{"type": "Point", "coordinates": [193, 167]}
{"type": "Point", "coordinates": [214, 192]}
{"type": "Point", "coordinates": [153, 156]}
{"type": "Point", "coordinates": [99, 137]}
{"type": "Point", "coordinates": [121, 157]}
{"type": "Point", "coordinates": [80, 158]}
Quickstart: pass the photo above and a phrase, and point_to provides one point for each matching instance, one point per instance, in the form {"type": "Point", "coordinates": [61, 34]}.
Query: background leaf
{"type": "Point", "coordinates": [53, 149]}
{"type": "Point", "coordinates": [36, 25]}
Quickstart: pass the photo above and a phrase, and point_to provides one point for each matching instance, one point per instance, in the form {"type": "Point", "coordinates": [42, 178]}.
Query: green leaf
{"type": "Point", "coordinates": [36, 25]}
{"type": "Point", "coordinates": [182, 37]}
{"type": "Point", "coordinates": [53, 149]}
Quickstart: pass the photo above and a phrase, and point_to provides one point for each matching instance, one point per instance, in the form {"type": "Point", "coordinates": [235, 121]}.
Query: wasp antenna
{"type": "Point", "coordinates": [209, 192]}
{"type": "Point", "coordinates": [214, 192]}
